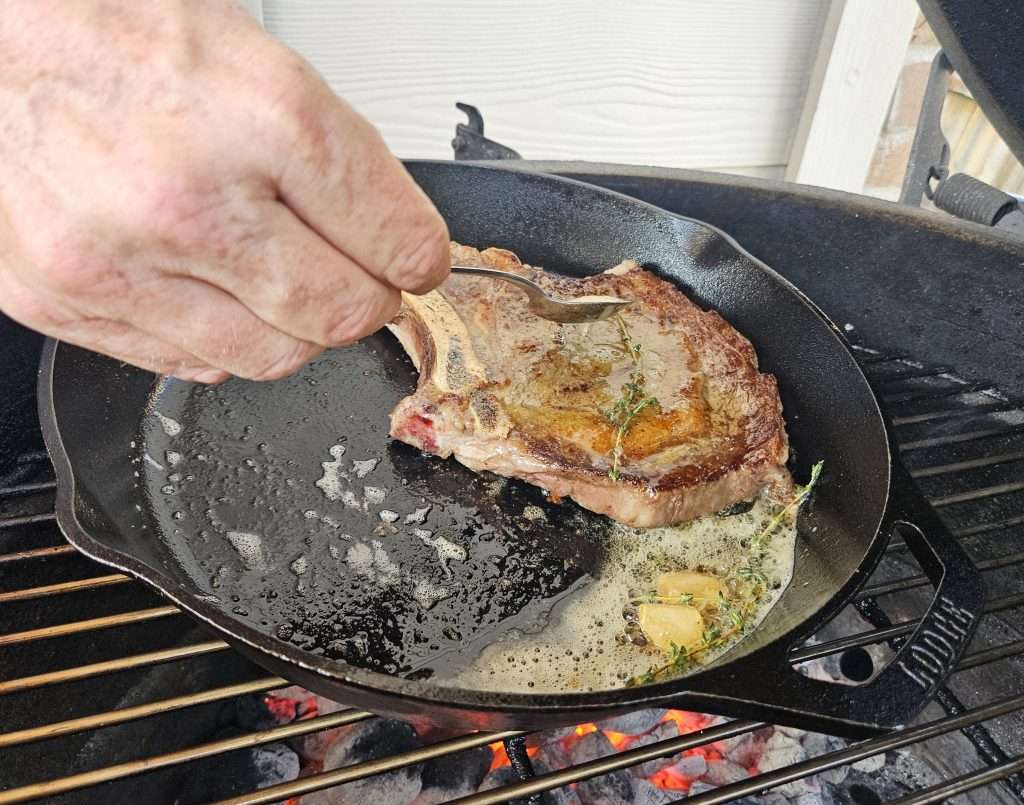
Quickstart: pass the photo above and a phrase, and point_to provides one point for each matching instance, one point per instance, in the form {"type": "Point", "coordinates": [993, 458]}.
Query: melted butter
{"type": "Point", "coordinates": [578, 650]}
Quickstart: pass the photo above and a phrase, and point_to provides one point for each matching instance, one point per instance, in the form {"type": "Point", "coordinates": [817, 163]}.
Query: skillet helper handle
{"type": "Point", "coordinates": [929, 655]}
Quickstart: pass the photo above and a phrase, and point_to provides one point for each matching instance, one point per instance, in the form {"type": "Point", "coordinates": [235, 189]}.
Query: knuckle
{"type": "Point", "coordinates": [356, 321]}
{"type": "Point", "coordinates": [286, 363]}
{"type": "Point", "coordinates": [177, 207]}
{"type": "Point", "coordinates": [422, 262]}
{"type": "Point", "coordinates": [298, 112]}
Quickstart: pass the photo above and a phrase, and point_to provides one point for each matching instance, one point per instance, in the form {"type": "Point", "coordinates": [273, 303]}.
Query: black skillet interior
{"type": "Point", "coordinates": [225, 515]}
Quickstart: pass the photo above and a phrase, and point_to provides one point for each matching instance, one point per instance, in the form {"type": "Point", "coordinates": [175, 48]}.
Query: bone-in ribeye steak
{"type": "Point", "coordinates": [505, 391]}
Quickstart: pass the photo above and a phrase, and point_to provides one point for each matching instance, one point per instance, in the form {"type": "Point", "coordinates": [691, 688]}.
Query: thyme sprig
{"type": "Point", "coordinates": [735, 614]}
{"type": "Point", "coordinates": [633, 398]}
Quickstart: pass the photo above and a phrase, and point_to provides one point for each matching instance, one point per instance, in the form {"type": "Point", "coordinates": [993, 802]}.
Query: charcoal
{"type": "Point", "coordinates": [816, 745]}
{"type": "Point", "coordinates": [870, 764]}
{"type": "Point", "coordinates": [370, 740]}
{"type": "Point", "coordinates": [590, 747]}
{"type": "Point", "coordinates": [554, 755]}
{"type": "Point", "coordinates": [275, 763]}
{"type": "Point", "coordinates": [807, 799]}
{"type": "Point", "coordinates": [691, 766]}
{"type": "Point", "coordinates": [746, 749]}
{"type": "Point", "coordinates": [235, 773]}
{"type": "Point", "coordinates": [251, 713]}
{"type": "Point", "coordinates": [549, 736]}
{"type": "Point", "coordinates": [724, 772]}
{"type": "Point", "coordinates": [780, 751]}
{"type": "Point", "coordinates": [505, 775]}
{"type": "Point", "coordinates": [565, 795]}
{"type": "Point", "coordinates": [663, 732]}
{"type": "Point", "coordinates": [699, 787]}
{"type": "Point", "coordinates": [634, 723]}
{"type": "Point", "coordinates": [615, 788]}
{"type": "Point", "coordinates": [645, 793]}
{"type": "Point", "coordinates": [452, 776]}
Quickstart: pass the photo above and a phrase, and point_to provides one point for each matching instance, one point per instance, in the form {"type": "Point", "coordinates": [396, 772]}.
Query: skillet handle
{"type": "Point", "coordinates": [896, 694]}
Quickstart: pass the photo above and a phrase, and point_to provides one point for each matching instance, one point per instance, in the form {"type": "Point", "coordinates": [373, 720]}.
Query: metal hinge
{"type": "Point", "coordinates": [470, 143]}
{"type": "Point", "coordinates": [928, 167]}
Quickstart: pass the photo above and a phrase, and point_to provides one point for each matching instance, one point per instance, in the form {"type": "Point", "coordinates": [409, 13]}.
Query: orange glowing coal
{"type": "Point", "coordinates": [501, 756]}
{"type": "Point", "coordinates": [669, 778]}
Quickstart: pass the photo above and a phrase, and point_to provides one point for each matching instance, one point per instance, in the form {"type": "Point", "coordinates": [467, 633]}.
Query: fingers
{"type": "Point", "coordinates": [117, 339]}
{"type": "Point", "coordinates": [298, 283]}
{"type": "Point", "coordinates": [339, 177]}
{"type": "Point", "coordinates": [169, 324]}
{"type": "Point", "coordinates": [209, 323]}
{"type": "Point", "coordinates": [131, 345]}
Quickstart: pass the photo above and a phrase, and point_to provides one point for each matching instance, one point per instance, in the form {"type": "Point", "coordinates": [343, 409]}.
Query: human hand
{"type": "Point", "coordinates": [182, 192]}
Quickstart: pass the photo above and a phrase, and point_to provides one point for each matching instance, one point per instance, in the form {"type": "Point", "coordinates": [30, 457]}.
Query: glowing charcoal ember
{"type": "Point", "coordinates": [634, 723]}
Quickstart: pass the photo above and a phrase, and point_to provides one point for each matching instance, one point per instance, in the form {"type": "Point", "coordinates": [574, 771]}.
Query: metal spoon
{"type": "Point", "coordinates": [564, 311]}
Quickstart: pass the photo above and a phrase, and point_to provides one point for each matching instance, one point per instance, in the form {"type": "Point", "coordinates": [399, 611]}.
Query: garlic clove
{"type": "Point", "coordinates": [665, 624]}
{"type": "Point", "coordinates": [704, 587]}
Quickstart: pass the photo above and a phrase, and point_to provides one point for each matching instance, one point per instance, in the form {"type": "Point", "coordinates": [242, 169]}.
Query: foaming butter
{"type": "Point", "coordinates": [578, 649]}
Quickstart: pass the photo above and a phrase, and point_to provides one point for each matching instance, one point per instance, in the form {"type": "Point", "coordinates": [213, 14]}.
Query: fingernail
{"type": "Point", "coordinates": [211, 377]}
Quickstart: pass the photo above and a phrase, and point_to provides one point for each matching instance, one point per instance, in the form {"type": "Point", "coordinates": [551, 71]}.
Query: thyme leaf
{"type": "Point", "coordinates": [633, 398]}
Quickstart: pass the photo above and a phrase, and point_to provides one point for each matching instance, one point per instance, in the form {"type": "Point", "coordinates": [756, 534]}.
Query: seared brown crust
{"type": "Point", "coordinates": [504, 391]}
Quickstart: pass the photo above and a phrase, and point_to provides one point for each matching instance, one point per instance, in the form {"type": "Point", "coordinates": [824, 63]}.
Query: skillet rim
{"type": "Point", "coordinates": [424, 692]}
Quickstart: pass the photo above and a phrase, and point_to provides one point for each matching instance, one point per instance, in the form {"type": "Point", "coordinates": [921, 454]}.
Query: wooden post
{"type": "Point", "coordinates": [863, 49]}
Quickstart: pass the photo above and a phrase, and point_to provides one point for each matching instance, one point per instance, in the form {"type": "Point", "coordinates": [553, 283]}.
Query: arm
{"type": "Point", "coordinates": [182, 192]}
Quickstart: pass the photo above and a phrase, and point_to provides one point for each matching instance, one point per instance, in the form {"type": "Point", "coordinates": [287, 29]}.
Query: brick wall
{"type": "Point", "coordinates": [890, 160]}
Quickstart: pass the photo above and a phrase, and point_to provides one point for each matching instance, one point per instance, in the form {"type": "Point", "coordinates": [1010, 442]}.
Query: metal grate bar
{"type": "Point", "coordinates": [328, 779]}
{"type": "Point", "coordinates": [63, 587]}
{"type": "Point", "coordinates": [110, 666]}
{"type": "Point", "coordinates": [556, 779]}
{"type": "Point", "coordinates": [32, 457]}
{"type": "Point", "coordinates": [910, 582]}
{"type": "Point", "coordinates": [75, 782]}
{"type": "Point", "coordinates": [969, 531]}
{"type": "Point", "coordinates": [868, 358]}
{"type": "Point", "coordinates": [911, 374]}
{"type": "Point", "coordinates": [962, 784]}
{"type": "Point", "coordinates": [958, 466]}
{"type": "Point", "coordinates": [978, 494]}
{"type": "Point", "coordinates": [91, 624]}
{"type": "Point", "coordinates": [939, 394]}
{"type": "Point", "coordinates": [983, 528]}
{"type": "Point", "coordinates": [957, 438]}
{"type": "Point", "coordinates": [855, 753]}
{"type": "Point", "coordinates": [125, 714]}
{"type": "Point", "coordinates": [593, 768]}
{"type": "Point", "coordinates": [819, 650]}
{"type": "Point", "coordinates": [27, 489]}
{"type": "Point", "coordinates": [37, 553]}
{"type": "Point", "coordinates": [28, 519]}
{"type": "Point", "coordinates": [987, 655]}
{"type": "Point", "coordinates": [955, 413]}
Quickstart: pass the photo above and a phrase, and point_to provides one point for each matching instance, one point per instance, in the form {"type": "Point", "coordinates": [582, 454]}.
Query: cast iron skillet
{"type": "Point", "coordinates": [251, 455]}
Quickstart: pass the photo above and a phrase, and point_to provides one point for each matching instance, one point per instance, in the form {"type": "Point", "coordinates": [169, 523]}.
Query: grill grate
{"type": "Point", "coordinates": [962, 442]}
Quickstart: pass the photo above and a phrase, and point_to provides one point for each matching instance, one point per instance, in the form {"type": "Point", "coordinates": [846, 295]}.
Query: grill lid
{"type": "Point", "coordinates": [985, 45]}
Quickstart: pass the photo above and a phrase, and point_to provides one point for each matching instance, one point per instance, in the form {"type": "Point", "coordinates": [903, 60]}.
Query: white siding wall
{"type": "Point", "coordinates": [714, 84]}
